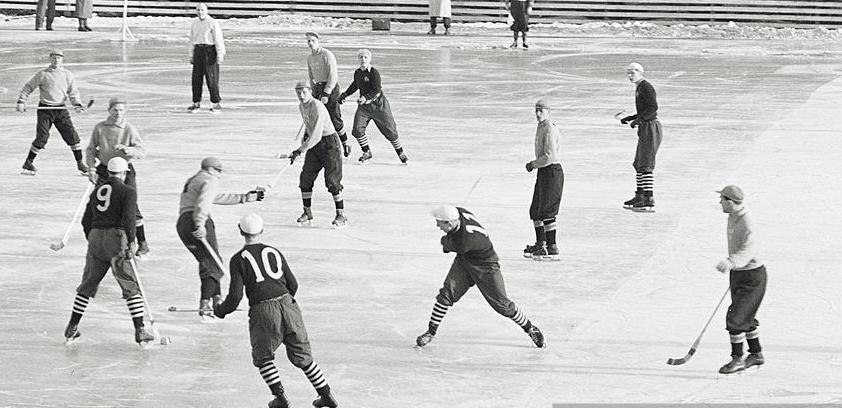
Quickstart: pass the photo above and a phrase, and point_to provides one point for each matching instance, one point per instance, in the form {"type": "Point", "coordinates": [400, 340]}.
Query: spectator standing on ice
{"type": "Point", "coordinates": [439, 9]}
{"type": "Point", "coordinates": [207, 51]}
{"type": "Point", "coordinates": [747, 278]}
{"type": "Point", "coordinates": [84, 11]}
{"type": "Point", "coordinates": [45, 8]}
{"type": "Point", "coordinates": [520, 11]}
{"type": "Point", "coordinates": [55, 85]}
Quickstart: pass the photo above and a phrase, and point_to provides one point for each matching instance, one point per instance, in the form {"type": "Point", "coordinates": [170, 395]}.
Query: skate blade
{"type": "Point", "coordinates": [339, 227]}
{"type": "Point", "coordinates": [27, 172]}
{"type": "Point", "coordinates": [546, 258]}
{"type": "Point", "coordinates": [208, 319]}
{"type": "Point", "coordinates": [70, 342]}
{"type": "Point", "coordinates": [644, 210]}
{"type": "Point", "coordinates": [306, 223]}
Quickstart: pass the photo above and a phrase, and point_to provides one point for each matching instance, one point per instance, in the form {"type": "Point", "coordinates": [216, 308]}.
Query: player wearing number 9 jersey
{"type": "Point", "coordinates": [109, 225]}
{"type": "Point", "coordinates": [476, 263]}
{"type": "Point", "coordinates": [274, 316]}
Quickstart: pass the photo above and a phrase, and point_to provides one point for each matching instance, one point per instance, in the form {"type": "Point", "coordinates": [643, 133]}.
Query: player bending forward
{"type": "Point", "coordinates": [109, 225]}
{"type": "Point", "coordinates": [476, 263]}
{"type": "Point", "coordinates": [274, 316]}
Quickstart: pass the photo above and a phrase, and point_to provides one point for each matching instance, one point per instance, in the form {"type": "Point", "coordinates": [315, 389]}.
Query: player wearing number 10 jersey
{"type": "Point", "coordinates": [274, 316]}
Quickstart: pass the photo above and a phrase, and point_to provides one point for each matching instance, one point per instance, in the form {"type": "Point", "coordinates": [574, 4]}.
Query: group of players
{"type": "Point", "coordinates": [114, 228]}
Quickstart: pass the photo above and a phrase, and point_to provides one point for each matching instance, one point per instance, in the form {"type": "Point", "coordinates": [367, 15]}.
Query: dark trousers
{"type": "Point", "coordinates": [277, 322]}
{"type": "Point", "coordinates": [45, 8]}
{"type": "Point", "coordinates": [747, 290]}
{"type": "Point", "coordinates": [487, 278]}
{"type": "Point", "coordinates": [60, 118]}
{"type": "Point", "coordinates": [205, 68]}
{"type": "Point", "coordinates": [648, 142]}
{"type": "Point", "coordinates": [324, 155]}
{"type": "Point", "coordinates": [546, 196]}
{"type": "Point", "coordinates": [381, 113]}
{"type": "Point", "coordinates": [445, 20]}
{"type": "Point", "coordinates": [207, 266]}
{"type": "Point", "coordinates": [332, 106]}
{"type": "Point", "coordinates": [131, 179]}
{"type": "Point", "coordinates": [519, 16]}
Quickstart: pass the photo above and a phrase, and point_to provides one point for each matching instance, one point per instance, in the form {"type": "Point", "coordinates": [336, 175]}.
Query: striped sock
{"type": "Point", "coordinates": [439, 310]}
{"type": "Point", "coordinates": [314, 374]}
{"type": "Point", "coordinates": [33, 151]}
{"type": "Point", "coordinates": [539, 231]}
{"type": "Point", "coordinates": [363, 141]}
{"type": "Point", "coordinates": [647, 180]}
{"type": "Point", "coordinates": [307, 198]}
{"type": "Point", "coordinates": [520, 318]}
{"type": "Point", "coordinates": [549, 230]}
{"type": "Point", "coordinates": [135, 304]}
{"type": "Point", "coordinates": [79, 306]}
{"type": "Point", "coordinates": [397, 145]}
{"type": "Point", "coordinates": [338, 202]}
{"type": "Point", "coordinates": [753, 340]}
{"type": "Point", "coordinates": [270, 374]}
{"type": "Point", "coordinates": [737, 343]}
{"type": "Point", "coordinates": [639, 181]}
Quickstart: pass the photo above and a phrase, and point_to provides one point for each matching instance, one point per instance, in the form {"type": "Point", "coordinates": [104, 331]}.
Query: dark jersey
{"type": "Point", "coordinates": [264, 273]}
{"type": "Point", "coordinates": [645, 101]}
{"type": "Point", "coordinates": [368, 82]}
{"type": "Point", "coordinates": [112, 204]}
{"type": "Point", "coordinates": [470, 241]}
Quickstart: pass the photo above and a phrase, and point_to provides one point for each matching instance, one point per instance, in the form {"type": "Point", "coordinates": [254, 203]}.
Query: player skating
{"type": "Point", "coordinates": [55, 85]}
{"type": "Point", "coordinates": [109, 225]}
{"type": "Point", "coordinates": [321, 149]}
{"type": "Point", "coordinates": [648, 139]}
{"type": "Point", "coordinates": [476, 263]}
{"type": "Point", "coordinates": [274, 316]}
{"type": "Point", "coordinates": [549, 184]}
{"type": "Point", "coordinates": [324, 77]}
{"type": "Point", "coordinates": [195, 225]}
{"type": "Point", "coordinates": [747, 277]}
{"type": "Point", "coordinates": [116, 137]}
{"type": "Point", "coordinates": [371, 105]}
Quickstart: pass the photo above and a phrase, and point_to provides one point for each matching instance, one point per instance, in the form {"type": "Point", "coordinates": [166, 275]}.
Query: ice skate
{"type": "Point", "coordinates": [194, 107]}
{"type": "Point", "coordinates": [424, 339]}
{"type": "Point", "coordinates": [325, 400]}
{"type": "Point", "coordinates": [447, 31]}
{"type": "Point", "coordinates": [628, 204]}
{"type": "Point", "coordinates": [547, 253]}
{"type": "Point", "coordinates": [366, 156]}
{"type": "Point", "coordinates": [280, 401]}
{"type": "Point", "coordinates": [340, 221]}
{"type": "Point", "coordinates": [306, 218]}
{"type": "Point", "coordinates": [216, 108]}
{"type": "Point", "coordinates": [735, 365]}
{"type": "Point", "coordinates": [205, 310]}
{"type": "Point", "coordinates": [431, 32]}
{"type": "Point", "coordinates": [514, 44]}
{"type": "Point", "coordinates": [82, 167]}
{"type": "Point", "coordinates": [645, 204]}
{"type": "Point", "coordinates": [141, 337]}
{"type": "Point", "coordinates": [525, 46]}
{"type": "Point", "coordinates": [142, 249]}
{"type": "Point", "coordinates": [527, 252]}
{"type": "Point", "coordinates": [403, 158]}
{"type": "Point", "coordinates": [29, 168]}
{"type": "Point", "coordinates": [754, 359]}
{"type": "Point", "coordinates": [71, 333]}
{"type": "Point", "coordinates": [536, 336]}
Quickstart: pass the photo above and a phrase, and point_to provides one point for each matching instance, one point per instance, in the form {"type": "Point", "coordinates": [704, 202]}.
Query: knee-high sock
{"type": "Point", "coordinates": [549, 230]}
{"type": "Point", "coordinates": [363, 141]}
{"type": "Point", "coordinates": [647, 181]}
{"type": "Point", "coordinates": [540, 236]}
{"type": "Point", "coordinates": [80, 303]}
{"type": "Point", "coordinates": [397, 145]}
{"type": "Point", "coordinates": [135, 304]}
{"type": "Point", "coordinates": [339, 203]}
{"type": "Point", "coordinates": [307, 198]}
{"type": "Point", "coordinates": [737, 343]}
{"type": "Point", "coordinates": [439, 310]}
{"type": "Point", "coordinates": [520, 318]}
{"type": "Point", "coordinates": [753, 340]}
{"type": "Point", "coordinates": [273, 379]}
{"type": "Point", "coordinates": [314, 374]}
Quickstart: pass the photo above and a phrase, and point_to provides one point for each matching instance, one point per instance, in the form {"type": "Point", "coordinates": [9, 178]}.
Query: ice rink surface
{"type": "Point", "coordinates": [631, 290]}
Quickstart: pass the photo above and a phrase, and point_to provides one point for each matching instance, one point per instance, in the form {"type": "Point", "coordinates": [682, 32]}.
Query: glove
{"type": "Point", "coordinates": [633, 124]}
{"type": "Point", "coordinates": [529, 167]}
{"type": "Point", "coordinates": [324, 100]}
{"type": "Point", "coordinates": [346, 149]}
{"type": "Point", "coordinates": [258, 194]}
{"type": "Point", "coordinates": [130, 250]}
{"type": "Point", "coordinates": [217, 312]}
{"type": "Point", "coordinates": [342, 97]}
{"type": "Point", "coordinates": [294, 155]}
{"type": "Point", "coordinates": [92, 176]}
{"type": "Point", "coordinates": [21, 107]}
{"type": "Point", "coordinates": [200, 232]}
{"type": "Point", "coordinates": [724, 265]}
{"type": "Point", "coordinates": [627, 119]}
{"type": "Point", "coordinates": [79, 108]}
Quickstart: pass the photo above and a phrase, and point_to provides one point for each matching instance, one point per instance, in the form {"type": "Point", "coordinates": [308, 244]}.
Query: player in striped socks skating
{"type": "Point", "coordinates": [476, 263]}
{"type": "Point", "coordinates": [648, 139]}
{"type": "Point", "coordinates": [274, 316]}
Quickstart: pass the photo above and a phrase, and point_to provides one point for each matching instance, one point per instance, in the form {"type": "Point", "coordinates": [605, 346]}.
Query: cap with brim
{"type": "Point", "coordinates": [302, 85]}
{"type": "Point", "coordinates": [635, 67]}
{"type": "Point", "coordinates": [116, 101]}
{"type": "Point", "coordinates": [445, 213]}
{"type": "Point", "coordinates": [311, 34]}
{"type": "Point", "coordinates": [212, 163]}
{"type": "Point", "coordinates": [60, 53]}
{"type": "Point", "coordinates": [542, 104]}
{"type": "Point", "coordinates": [732, 193]}
{"type": "Point", "coordinates": [117, 165]}
{"type": "Point", "coordinates": [251, 224]}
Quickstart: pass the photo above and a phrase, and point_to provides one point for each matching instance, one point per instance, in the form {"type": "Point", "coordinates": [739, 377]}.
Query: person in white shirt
{"type": "Point", "coordinates": [207, 51]}
{"type": "Point", "coordinates": [549, 184]}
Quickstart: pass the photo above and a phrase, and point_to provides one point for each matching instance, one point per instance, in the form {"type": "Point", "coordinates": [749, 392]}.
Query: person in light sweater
{"type": "Point", "coordinates": [207, 51]}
